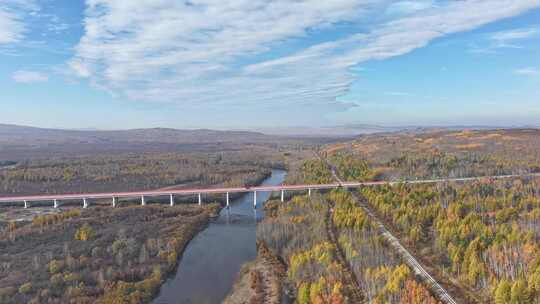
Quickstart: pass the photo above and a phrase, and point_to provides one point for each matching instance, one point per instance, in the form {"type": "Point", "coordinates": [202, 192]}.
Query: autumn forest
{"type": "Point", "coordinates": [468, 242]}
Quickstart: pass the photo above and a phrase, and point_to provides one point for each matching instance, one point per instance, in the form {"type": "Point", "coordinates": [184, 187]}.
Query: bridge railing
{"type": "Point", "coordinates": [143, 195]}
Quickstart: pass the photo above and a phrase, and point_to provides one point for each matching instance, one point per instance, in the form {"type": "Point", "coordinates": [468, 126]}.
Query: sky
{"type": "Point", "coordinates": [243, 64]}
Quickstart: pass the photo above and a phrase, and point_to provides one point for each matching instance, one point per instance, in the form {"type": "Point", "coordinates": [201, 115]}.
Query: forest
{"type": "Point", "coordinates": [439, 153]}
{"type": "Point", "coordinates": [101, 255]}
{"type": "Point", "coordinates": [482, 237]}
{"type": "Point", "coordinates": [330, 250]}
{"type": "Point", "coordinates": [484, 234]}
{"type": "Point", "coordinates": [47, 161]}
{"type": "Point", "coordinates": [126, 172]}
{"type": "Point", "coordinates": [105, 255]}
{"type": "Point", "coordinates": [337, 258]}
{"type": "Point", "coordinates": [480, 240]}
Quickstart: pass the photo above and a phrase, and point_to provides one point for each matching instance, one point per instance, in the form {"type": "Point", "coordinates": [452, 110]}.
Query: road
{"type": "Point", "coordinates": [153, 193]}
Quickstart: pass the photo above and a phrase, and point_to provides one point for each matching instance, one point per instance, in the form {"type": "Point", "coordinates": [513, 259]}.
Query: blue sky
{"type": "Point", "coordinates": [113, 64]}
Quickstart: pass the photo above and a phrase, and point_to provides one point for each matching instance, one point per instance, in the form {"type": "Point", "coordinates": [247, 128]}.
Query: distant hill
{"type": "Point", "coordinates": [13, 134]}
{"type": "Point", "coordinates": [21, 142]}
{"type": "Point", "coordinates": [349, 130]}
{"type": "Point", "coordinates": [332, 131]}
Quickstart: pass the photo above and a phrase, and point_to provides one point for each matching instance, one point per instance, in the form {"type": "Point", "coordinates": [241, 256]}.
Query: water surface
{"type": "Point", "coordinates": [212, 260]}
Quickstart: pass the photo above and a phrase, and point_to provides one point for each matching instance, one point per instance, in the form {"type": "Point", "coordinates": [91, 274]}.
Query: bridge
{"type": "Point", "coordinates": [144, 195]}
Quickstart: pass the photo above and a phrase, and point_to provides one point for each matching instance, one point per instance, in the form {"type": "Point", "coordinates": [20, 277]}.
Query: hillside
{"type": "Point", "coordinates": [21, 142]}
{"type": "Point", "coordinates": [479, 242]}
{"type": "Point", "coordinates": [440, 153]}
{"type": "Point", "coordinates": [14, 134]}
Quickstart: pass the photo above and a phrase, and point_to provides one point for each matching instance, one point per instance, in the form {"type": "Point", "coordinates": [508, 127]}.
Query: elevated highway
{"type": "Point", "coordinates": [144, 195]}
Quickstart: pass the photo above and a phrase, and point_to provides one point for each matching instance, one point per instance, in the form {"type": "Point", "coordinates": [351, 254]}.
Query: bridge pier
{"type": "Point", "coordinates": [56, 199]}
{"type": "Point", "coordinates": [85, 203]}
{"type": "Point", "coordinates": [171, 199]}
{"type": "Point", "coordinates": [227, 199]}
{"type": "Point", "coordinates": [255, 199]}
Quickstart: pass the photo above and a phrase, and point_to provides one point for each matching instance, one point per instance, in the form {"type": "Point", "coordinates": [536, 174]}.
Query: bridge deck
{"type": "Point", "coordinates": [80, 196]}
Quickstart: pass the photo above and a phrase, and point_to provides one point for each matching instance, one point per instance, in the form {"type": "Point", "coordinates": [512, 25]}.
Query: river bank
{"type": "Point", "coordinates": [100, 254]}
{"type": "Point", "coordinates": [260, 281]}
{"type": "Point", "coordinates": [212, 260]}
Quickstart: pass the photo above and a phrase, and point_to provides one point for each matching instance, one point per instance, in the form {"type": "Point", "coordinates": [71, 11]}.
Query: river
{"type": "Point", "coordinates": [212, 260]}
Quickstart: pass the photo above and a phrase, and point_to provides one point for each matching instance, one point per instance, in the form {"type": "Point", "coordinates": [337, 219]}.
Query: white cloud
{"type": "Point", "coordinates": [29, 77]}
{"type": "Point", "coordinates": [55, 24]}
{"type": "Point", "coordinates": [407, 7]}
{"type": "Point", "coordinates": [12, 25]}
{"type": "Point", "coordinates": [205, 52]}
{"type": "Point", "coordinates": [398, 94]}
{"type": "Point", "coordinates": [514, 34]}
{"type": "Point", "coordinates": [528, 71]}
{"type": "Point", "coordinates": [510, 37]}
{"type": "Point", "coordinates": [11, 29]}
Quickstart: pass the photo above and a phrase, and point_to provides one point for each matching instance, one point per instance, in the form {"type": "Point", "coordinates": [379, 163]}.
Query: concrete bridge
{"type": "Point", "coordinates": [144, 195]}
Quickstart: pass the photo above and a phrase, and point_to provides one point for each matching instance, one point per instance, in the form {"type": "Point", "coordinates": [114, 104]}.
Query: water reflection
{"type": "Point", "coordinates": [212, 260]}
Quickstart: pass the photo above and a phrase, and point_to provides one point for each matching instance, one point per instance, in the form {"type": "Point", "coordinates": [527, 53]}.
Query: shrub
{"type": "Point", "coordinates": [25, 288]}
{"type": "Point", "coordinates": [55, 266]}
{"type": "Point", "coordinates": [74, 291]}
{"type": "Point", "coordinates": [72, 278]}
{"type": "Point", "coordinates": [171, 259]}
{"type": "Point", "coordinates": [43, 220]}
{"type": "Point", "coordinates": [117, 245]}
{"type": "Point", "coordinates": [85, 233]}
{"type": "Point", "coordinates": [57, 280]}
